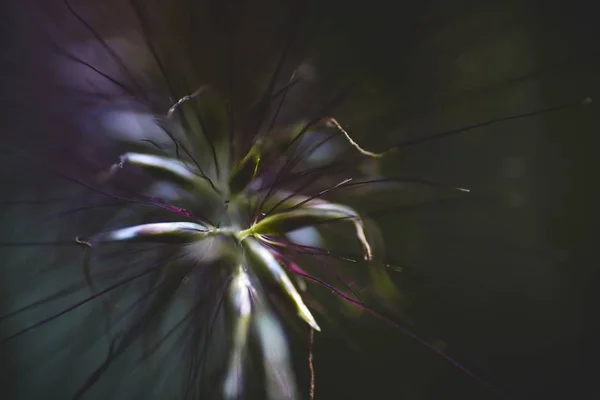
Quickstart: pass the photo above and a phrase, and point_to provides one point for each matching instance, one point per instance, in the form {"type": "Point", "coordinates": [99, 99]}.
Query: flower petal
{"type": "Point", "coordinates": [309, 214]}
{"type": "Point", "coordinates": [181, 172]}
{"type": "Point", "coordinates": [265, 262]}
{"type": "Point", "coordinates": [241, 304]}
{"type": "Point", "coordinates": [245, 171]}
{"type": "Point", "coordinates": [280, 382]}
{"type": "Point", "coordinates": [162, 232]}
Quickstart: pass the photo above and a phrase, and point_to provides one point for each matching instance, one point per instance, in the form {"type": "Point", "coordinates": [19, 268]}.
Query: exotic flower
{"type": "Point", "coordinates": [202, 208]}
{"type": "Point", "coordinates": [254, 217]}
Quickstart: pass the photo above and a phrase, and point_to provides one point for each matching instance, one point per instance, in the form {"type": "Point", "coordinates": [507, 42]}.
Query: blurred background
{"type": "Point", "coordinates": [503, 278]}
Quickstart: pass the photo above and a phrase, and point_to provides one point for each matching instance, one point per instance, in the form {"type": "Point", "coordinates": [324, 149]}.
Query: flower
{"type": "Point", "coordinates": [254, 212]}
{"type": "Point", "coordinates": [220, 195]}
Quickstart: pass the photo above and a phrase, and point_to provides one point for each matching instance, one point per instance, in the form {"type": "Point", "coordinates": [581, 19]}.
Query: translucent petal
{"type": "Point", "coordinates": [172, 169]}
{"type": "Point", "coordinates": [310, 214]}
{"type": "Point", "coordinates": [245, 171]}
{"type": "Point", "coordinates": [241, 304]}
{"type": "Point", "coordinates": [177, 232]}
{"type": "Point", "coordinates": [280, 382]}
{"type": "Point", "coordinates": [265, 264]}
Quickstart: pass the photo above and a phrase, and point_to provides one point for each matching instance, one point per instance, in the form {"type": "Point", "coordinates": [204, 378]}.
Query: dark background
{"type": "Point", "coordinates": [504, 277]}
{"type": "Point", "coordinates": [507, 282]}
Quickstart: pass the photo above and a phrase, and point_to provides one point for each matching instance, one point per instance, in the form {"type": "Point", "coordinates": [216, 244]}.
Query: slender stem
{"type": "Point", "coordinates": [311, 367]}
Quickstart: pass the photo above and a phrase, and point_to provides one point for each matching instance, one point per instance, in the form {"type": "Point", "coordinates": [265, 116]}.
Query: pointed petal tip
{"type": "Point", "coordinates": [310, 320]}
